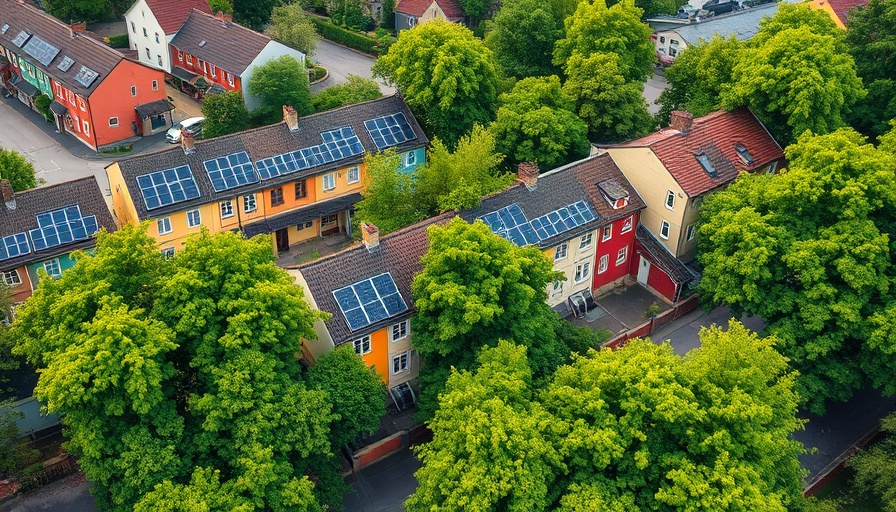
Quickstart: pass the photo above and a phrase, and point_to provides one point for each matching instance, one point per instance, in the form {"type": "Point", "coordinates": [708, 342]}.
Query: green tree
{"type": "Point", "coordinates": [596, 29]}
{"type": "Point", "coordinates": [179, 377]}
{"type": "Point", "coordinates": [389, 197]}
{"type": "Point", "coordinates": [808, 250]}
{"type": "Point", "coordinates": [536, 122]}
{"type": "Point", "coordinates": [254, 14]}
{"type": "Point", "coordinates": [291, 26]}
{"type": "Point", "coordinates": [871, 40]}
{"type": "Point", "coordinates": [278, 82]}
{"type": "Point", "coordinates": [654, 7]}
{"type": "Point", "coordinates": [612, 108]}
{"type": "Point", "coordinates": [460, 179]}
{"type": "Point", "coordinates": [446, 75]}
{"type": "Point", "coordinates": [17, 170]}
{"type": "Point", "coordinates": [387, 18]}
{"type": "Point", "coordinates": [791, 15]}
{"type": "Point", "coordinates": [77, 10]}
{"type": "Point", "coordinates": [224, 6]}
{"type": "Point", "coordinates": [224, 113]}
{"type": "Point", "coordinates": [42, 104]}
{"type": "Point", "coordinates": [475, 9]}
{"type": "Point", "coordinates": [876, 466]}
{"type": "Point", "coordinates": [523, 38]}
{"type": "Point", "coordinates": [15, 453]}
{"type": "Point", "coordinates": [356, 90]}
{"type": "Point", "coordinates": [698, 76]}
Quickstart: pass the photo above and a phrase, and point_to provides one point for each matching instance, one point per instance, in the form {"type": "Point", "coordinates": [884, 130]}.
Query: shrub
{"type": "Point", "coordinates": [42, 104]}
{"type": "Point", "coordinates": [119, 41]}
{"type": "Point", "coordinates": [345, 37]}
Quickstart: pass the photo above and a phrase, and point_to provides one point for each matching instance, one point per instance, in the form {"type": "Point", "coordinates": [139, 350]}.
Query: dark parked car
{"type": "Point", "coordinates": [721, 6]}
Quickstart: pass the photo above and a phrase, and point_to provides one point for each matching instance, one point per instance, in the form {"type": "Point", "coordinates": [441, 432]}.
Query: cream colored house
{"type": "Point", "coordinates": [410, 13]}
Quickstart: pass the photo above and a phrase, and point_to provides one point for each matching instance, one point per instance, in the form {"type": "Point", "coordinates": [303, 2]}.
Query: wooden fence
{"type": "Point", "coordinates": [657, 321]}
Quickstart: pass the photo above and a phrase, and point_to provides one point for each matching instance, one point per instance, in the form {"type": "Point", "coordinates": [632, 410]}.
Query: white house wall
{"type": "Point", "coordinates": [142, 17]}
{"type": "Point", "coordinates": [272, 50]}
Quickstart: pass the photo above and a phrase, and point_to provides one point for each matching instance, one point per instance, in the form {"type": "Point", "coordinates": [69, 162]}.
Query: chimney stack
{"type": "Point", "coordinates": [226, 18]}
{"type": "Point", "coordinates": [188, 142]}
{"type": "Point", "coordinates": [291, 118]}
{"type": "Point", "coordinates": [370, 236]}
{"type": "Point", "coordinates": [681, 121]}
{"type": "Point", "coordinates": [9, 196]}
{"type": "Point", "coordinates": [527, 174]}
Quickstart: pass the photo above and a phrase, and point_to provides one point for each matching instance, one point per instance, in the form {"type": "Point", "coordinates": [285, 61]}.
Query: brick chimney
{"type": "Point", "coordinates": [370, 236]}
{"type": "Point", "coordinates": [291, 118]}
{"type": "Point", "coordinates": [527, 174]}
{"type": "Point", "coordinates": [681, 121]}
{"type": "Point", "coordinates": [9, 196]}
{"type": "Point", "coordinates": [187, 142]}
{"type": "Point", "coordinates": [226, 18]}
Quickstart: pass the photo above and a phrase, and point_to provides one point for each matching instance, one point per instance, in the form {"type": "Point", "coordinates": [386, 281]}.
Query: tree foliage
{"type": "Point", "coordinates": [523, 38]}
{"type": "Point", "coordinates": [635, 429]}
{"type": "Point", "coordinates": [446, 75]}
{"type": "Point", "coordinates": [291, 26]}
{"type": "Point", "coordinates": [222, 6]}
{"type": "Point", "coordinates": [536, 122]}
{"type": "Point", "coordinates": [15, 168]}
{"type": "Point", "coordinates": [177, 379]}
{"type": "Point", "coordinates": [224, 113]}
{"type": "Point", "coordinates": [876, 466]}
{"type": "Point", "coordinates": [389, 201]}
{"type": "Point", "coordinates": [654, 7]}
{"type": "Point", "coordinates": [871, 40]}
{"type": "Point", "coordinates": [809, 251]}
{"type": "Point", "coordinates": [356, 90]}
{"type": "Point", "coordinates": [77, 10]}
{"type": "Point", "coordinates": [278, 82]}
{"type": "Point", "coordinates": [254, 14]}
{"type": "Point", "coordinates": [14, 452]}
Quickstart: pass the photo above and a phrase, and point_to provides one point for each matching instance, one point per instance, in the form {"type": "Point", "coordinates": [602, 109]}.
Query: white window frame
{"type": "Point", "coordinates": [557, 288]}
{"type": "Point", "coordinates": [627, 225]}
{"type": "Point", "coordinates": [362, 345]}
{"type": "Point", "coordinates": [585, 241]}
{"type": "Point", "coordinates": [690, 232]}
{"type": "Point", "coordinates": [353, 175]}
{"type": "Point", "coordinates": [607, 233]}
{"type": "Point", "coordinates": [561, 252]}
{"type": "Point", "coordinates": [12, 277]}
{"type": "Point", "coordinates": [665, 226]}
{"type": "Point", "coordinates": [230, 79]}
{"type": "Point", "coordinates": [583, 270]}
{"type": "Point", "coordinates": [670, 200]}
{"type": "Point", "coordinates": [113, 121]}
{"type": "Point", "coordinates": [53, 268]}
{"type": "Point", "coordinates": [401, 363]}
{"type": "Point", "coordinates": [400, 331]}
{"type": "Point", "coordinates": [410, 158]}
{"type": "Point", "coordinates": [155, 83]}
{"type": "Point", "coordinates": [86, 128]}
{"type": "Point", "coordinates": [249, 204]}
{"type": "Point", "coordinates": [168, 253]}
{"type": "Point", "coordinates": [157, 37]}
{"type": "Point", "coordinates": [331, 178]}
{"type": "Point", "coordinates": [603, 263]}
{"type": "Point", "coordinates": [164, 225]}
{"type": "Point", "coordinates": [622, 256]}
{"type": "Point", "coordinates": [194, 218]}
{"type": "Point", "coordinates": [226, 209]}
{"type": "Point", "coordinates": [771, 167]}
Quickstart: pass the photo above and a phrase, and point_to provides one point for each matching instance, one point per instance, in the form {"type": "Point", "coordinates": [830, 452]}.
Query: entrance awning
{"type": "Point", "coordinates": [190, 78]}
{"type": "Point", "coordinates": [310, 212]}
{"type": "Point", "coordinates": [27, 89]}
{"type": "Point", "coordinates": [154, 108]}
{"type": "Point", "coordinates": [58, 108]}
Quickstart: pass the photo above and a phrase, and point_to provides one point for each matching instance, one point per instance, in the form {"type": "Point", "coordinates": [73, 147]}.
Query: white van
{"type": "Point", "coordinates": [192, 125]}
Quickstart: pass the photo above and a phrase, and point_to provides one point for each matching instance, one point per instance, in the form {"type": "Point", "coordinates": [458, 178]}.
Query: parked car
{"type": "Point", "coordinates": [192, 125]}
{"type": "Point", "coordinates": [721, 6]}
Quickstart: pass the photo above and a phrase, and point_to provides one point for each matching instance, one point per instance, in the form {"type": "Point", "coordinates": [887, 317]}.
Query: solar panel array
{"type": "Point", "coordinates": [62, 226]}
{"type": "Point", "coordinates": [21, 38]}
{"type": "Point", "coordinates": [511, 223]}
{"type": "Point", "coordinates": [169, 186]}
{"type": "Point", "coordinates": [86, 76]}
{"type": "Point", "coordinates": [41, 50]}
{"type": "Point", "coordinates": [66, 63]}
{"type": "Point", "coordinates": [369, 301]}
{"type": "Point", "coordinates": [338, 144]}
{"type": "Point", "coordinates": [391, 130]}
{"type": "Point", "coordinates": [230, 171]}
{"type": "Point", "coordinates": [14, 245]}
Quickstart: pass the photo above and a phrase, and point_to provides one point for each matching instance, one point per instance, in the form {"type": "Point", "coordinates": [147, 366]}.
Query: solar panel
{"type": "Point", "coordinates": [14, 245]}
{"type": "Point", "coordinates": [62, 226]}
{"type": "Point", "coordinates": [230, 171]}
{"type": "Point", "coordinates": [338, 144]}
{"type": "Point", "coordinates": [369, 301]}
{"type": "Point", "coordinates": [86, 76]}
{"type": "Point", "coordinates": [510, 222]}
{"type": "Point", "coordinates": [41, 50]}
{"type": "Point", "coordinates": [169, 186]}
{"type": "Point", "coordinates": [21, 38]}
{"type": "Point", "coordinates": [391, 130]}
{"type": "Point", "coordinates": [66, 63]}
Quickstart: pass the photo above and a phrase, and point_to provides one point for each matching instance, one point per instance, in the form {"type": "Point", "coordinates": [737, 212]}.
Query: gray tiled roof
{"type": "Point", "coordinates": [84, 192]}
{"type": "Point", "coordinates": [264, 142]}
{"type": "Point", "coordinates": [741, 24]}
{"type": "Point", "coordinates": [661, 257]}
{"type": "Point", "coordinates": [229, 46]}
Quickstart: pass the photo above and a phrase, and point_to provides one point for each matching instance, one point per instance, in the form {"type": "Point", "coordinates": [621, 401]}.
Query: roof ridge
{"type": "Point", "coordinates": [233, 23]}
{"type": "Point", "coordinates": [54, 185]}
{"type": "Point", "coordinates": [62, 25]}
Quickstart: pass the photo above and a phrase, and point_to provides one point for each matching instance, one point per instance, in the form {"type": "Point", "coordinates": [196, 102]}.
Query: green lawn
{"type": "Point", "coordinates": [841, 488]}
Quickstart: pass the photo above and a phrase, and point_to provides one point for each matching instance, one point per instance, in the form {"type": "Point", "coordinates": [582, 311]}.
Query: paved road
{"type": "Point", "coordinates": [656, 83]}
{"type": "Point", "coordinates": [341, 62]}
{"type": "Point", "coordinates": [384, 486]}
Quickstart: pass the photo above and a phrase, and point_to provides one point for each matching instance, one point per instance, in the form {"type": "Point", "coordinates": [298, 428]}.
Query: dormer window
{"type": "Point", "coordinates": [707, 165]}
{"type": "Point", "coordinates": [744, 155]}
{"type": "Point", "coordinates": [613, 193]}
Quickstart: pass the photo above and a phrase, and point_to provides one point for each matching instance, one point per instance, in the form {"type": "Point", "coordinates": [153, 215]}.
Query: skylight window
{"type": "Point", "coordinates": [744, 155]}
{"type": "Point", "coordinates": [707, 165]}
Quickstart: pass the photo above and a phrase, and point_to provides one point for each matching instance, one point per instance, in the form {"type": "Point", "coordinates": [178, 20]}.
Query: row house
{"type": "Point", "coordinates": [98, 96]}
{"type": "Point", "coordinates": [152, 24]}
{"type": "Point", "coordinates": [295, 180]}
{"type": "Point", "coordinates": [41, 227]}
{"type": "Point", "coordinates": [410, 13]}
{"type": "Point", "coordinates": [211, 53]}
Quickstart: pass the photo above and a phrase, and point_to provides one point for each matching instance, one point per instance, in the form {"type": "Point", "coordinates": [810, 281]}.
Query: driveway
{"type": "Point", "coordinates": [341, 62]}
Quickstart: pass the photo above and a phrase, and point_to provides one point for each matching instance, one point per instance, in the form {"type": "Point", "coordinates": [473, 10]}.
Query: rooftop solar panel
{"type": "Point", "coordinates": [391, 130]}
{"type": "Point", "coordinates": [14, 245]}
{"type": "Point", "coordinates": [86, 76]}
{"type": "Point", "coordinates": [21, 38]}
{"type": "Point", "coordinates": [230, 171]}
{"type": "Point", "coordinates": [66, 63]}
{"type": "Point", "coordinates": [510, 222]}
{"type": "Point", "coordinates": [338, 144]}
{"type": "Point", "coordinates": [169, 186]}
{"type": "Point", "coordinates": [369, 301]}
{"type": "Point", "coordinates": [41, 50]}
{"type": "Point", "coordinates": [62, 226]}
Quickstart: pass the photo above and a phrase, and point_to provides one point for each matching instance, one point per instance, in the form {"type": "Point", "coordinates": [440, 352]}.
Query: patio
{"type": "Point", "coordinates": [313, 249]}
{"type": "Point", "coordinates": [622, 309]}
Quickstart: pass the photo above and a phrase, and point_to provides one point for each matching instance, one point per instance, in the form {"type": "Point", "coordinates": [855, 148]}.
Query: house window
{"type": "Point", "coordinates": [113, 121]}
{"type": "Point", "coordinates": [670, 200]}
{"type": "Point", "coordinates": [157, 37]}
{"type": "Point", "coordinates": [159, 59]}
{"type": "Point", "coordinates": [329, 181]}
{"type": "Point", "coordinates": [662, 39]}
{"type": "Point", "coordinates": [771, 168]}
{"type": "Point", "coordinates": [190, 60]}
{"type": "Point", "coordinates": [557, 288]}
{"type": "Point", "coordinates": [627, 225]}
{"type": "Point", "coordinates": [145, 33]}
{"type": "Point", "coordinates": [226, 209]}
{"type": "Point", "coordinates": [52, 267]}
{"type": "Point", "coordinates": [673, 52]}
{"type": "Point", "coordinates": [194, 218]}
{"type": "Point", "coordinates": [230, 79]}
{"type": "Point", "coordinates": [673, 41]}
{"type": "Point", "coordinates": [155, 83]}
{"type": "Point", "coordinates": [664, 230]}
{"type": "Point", "coordinates": [582, 271]}
{"type": "Point", "coordinates": [133, 27]}
{"type": "Point", "coordinates": [86, 128]}
{"type": "Point", "coordinates": [180, 56]}
{"type": "Point", "coordinates": [410, 158]}
{"type": "Point", "coordinates": [168, 253]}
{"type": "Point", "coordinates": [277, 196]}
{"type": "Point", "coordinates": [148, 54]}
{"type": "Point", "coordinates": [164, 225]}
{"type": "Point", "coordinates": [328, 220]}
{"type": "Point", "coordinates": [133, 90]}
{"type": "Point", "coordinates": [11, 278]}
{"type": "Point", "coordinates": [400, 363]}
{"type": "Point", "coordinates": [354, 175]}
{"type": "Point", "coordinates": [214, 71]}
{"type": "Point", "coordinates": [585, 242]}
{"type": "Point", "coordinates": [301, 191]}
{"type": "Point", "coordinates": [82, 104]}
{"type": "Point", "coordinates": [603, 263]}
{"type": "Point", "coordinates": [58, 91]}
{"type": "Point", "coordinates": [621, 256]}
{"type": "Point", "coordinates": [400, 330]}
{"type": "Point", "coordinates": [362, 345]}
{"type": "Point", "coordinates": [689, 233]}
{"type": "Point", "coordinates": [308, 224]}
{"type": "Point", "coordinates": [249, 203]}
{"type": "Point", "coordinates": [560, 252]}
{"type": "Point", "coordinates": [608, 233]}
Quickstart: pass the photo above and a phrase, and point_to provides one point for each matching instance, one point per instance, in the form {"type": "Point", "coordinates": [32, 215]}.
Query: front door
{"type": "Point", "coordinates": [643, 271]}
{"type": "Point", "coordinates": [282, 240]}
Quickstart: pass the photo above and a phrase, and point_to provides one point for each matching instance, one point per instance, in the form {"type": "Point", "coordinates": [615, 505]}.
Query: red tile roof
{"type": "Point", "coordinates": [171, 14]}
{"type": "Point", "coordinates": [452, 9]}
{"type": "Point", "coordinates": [841, 7]}
{"type": "Point", "coordinates": [716, 135]}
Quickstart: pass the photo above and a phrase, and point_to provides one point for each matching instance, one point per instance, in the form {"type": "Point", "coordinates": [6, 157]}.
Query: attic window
{"type": "Point", "coordinates": [744, 155]}
{"type": "Point", "coordinates": [615, 195]}
{"type": "Point", "coordinates": [202, 43]}
{"type": "Point", "coordinates": [5, 28]}
{"type": "Point", "coordinates": [707, 165]}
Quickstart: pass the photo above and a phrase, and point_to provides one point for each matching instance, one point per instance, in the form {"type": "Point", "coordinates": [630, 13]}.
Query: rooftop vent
{"type": "Point", "coordinates": [202, 43]}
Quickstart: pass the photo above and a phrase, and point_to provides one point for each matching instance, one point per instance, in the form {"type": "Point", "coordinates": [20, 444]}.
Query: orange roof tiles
{"type": "Point", "coordinates": [171, 14]}
{"type": "Point", "coordinates": [452, 9]}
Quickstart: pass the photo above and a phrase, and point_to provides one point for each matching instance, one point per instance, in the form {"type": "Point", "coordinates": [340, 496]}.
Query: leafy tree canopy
{"type": "Point", "coordinates": [809, 251]}
{"type": "Point", "coordinates": [876, 466]}
{"type": "Point", "coordinates": [254, 14]}
{"type": "Point", "coordinates": [389, 201]}
{"type": "Point", "coordinates": [356, 90]}
{"type": "Point", "coordinates": [291, 26]}
{"type": "Point", "coordinates": [15, 454]}
{"type": "Point", "coordinates": [536, 122]}
{"type": "Point", "coordinates": [654, 7]}
{"type": "Point", "coordinates": [476, 9]}
{"type": "Point", "coordinates": [446, 75]}
{"type": "Point", "coordinates": [281, 81]}
{"type": "Point", "coordinates": [77, 10]}
{"type": "Point", "coordinates": [224, 113]}
{"type": "Point", "coordinates": [791, 16]}
{"type": "Point", "coordinates": [17, 170]}
{"type": "Point", "coordinates": [523, 38]}
{"type": "Point", "coordinates": [871, 40]}
{"type": "Point", "coordinates": [596, 29]}
{"type": "Point", "coordinates": [224, 6]}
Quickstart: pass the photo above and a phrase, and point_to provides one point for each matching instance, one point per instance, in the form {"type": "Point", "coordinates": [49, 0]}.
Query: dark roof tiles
{"type": "Point", "coordinates": [229, 46]}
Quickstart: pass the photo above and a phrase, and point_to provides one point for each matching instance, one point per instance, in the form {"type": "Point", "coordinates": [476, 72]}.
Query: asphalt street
{"type": "Point", "coordinates": [341, 62]}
